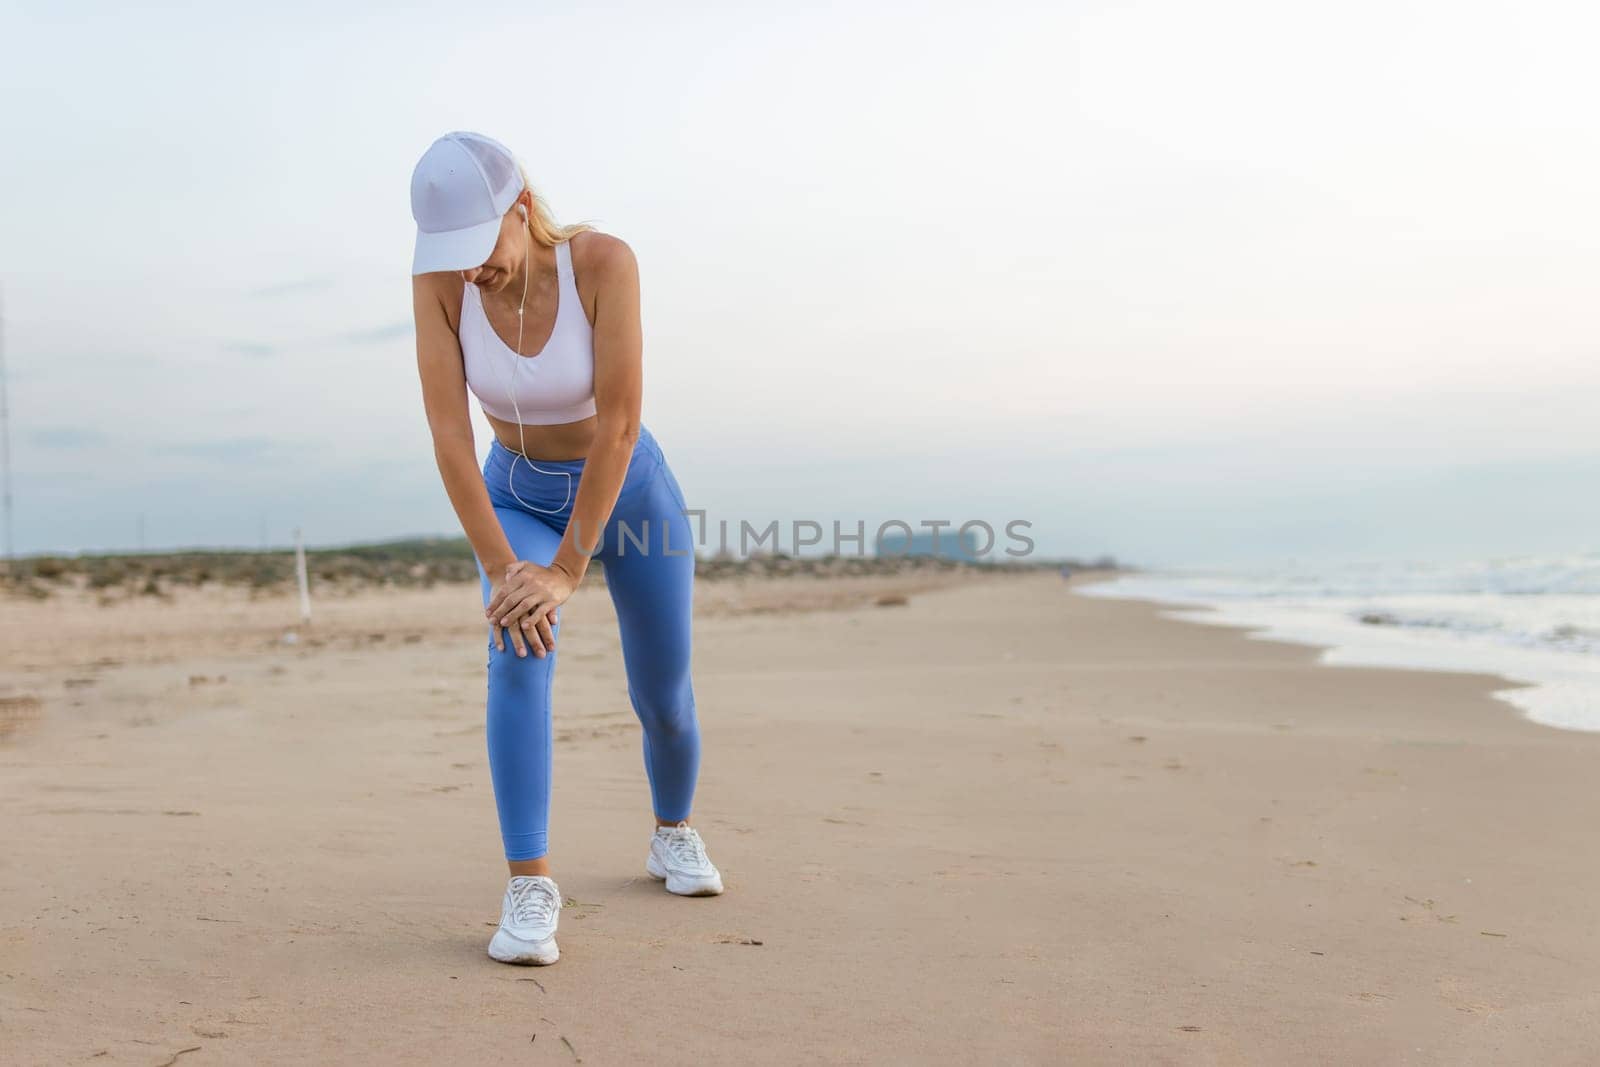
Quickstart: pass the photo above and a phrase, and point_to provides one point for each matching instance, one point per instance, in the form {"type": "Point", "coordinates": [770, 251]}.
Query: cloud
{"type": "Point", "coordinates": [250, 348]}
{"type": "Point", "coordinates": [294, 288]}
{"type": "Point", "coordinates": [235, 448]}
{"type": "Point", "coordinates": [67, 437]}
{"type": "Point", "coordinates": [379, 334]}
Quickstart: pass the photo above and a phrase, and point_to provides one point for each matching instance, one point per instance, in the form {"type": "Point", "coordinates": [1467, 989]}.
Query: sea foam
{"type": "Point", "coordinates": [1530, 620]}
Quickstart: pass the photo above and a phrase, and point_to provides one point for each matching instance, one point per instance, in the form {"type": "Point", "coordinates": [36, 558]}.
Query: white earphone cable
{"type": "Point", "coordinates": [512, 393]}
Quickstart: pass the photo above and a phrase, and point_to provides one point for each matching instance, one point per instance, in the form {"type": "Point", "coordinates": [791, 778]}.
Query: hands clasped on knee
{"type": "Point", "coordinates": [524, 604]}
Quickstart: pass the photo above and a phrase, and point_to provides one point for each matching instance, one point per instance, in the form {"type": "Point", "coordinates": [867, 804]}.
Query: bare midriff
{"type": "Point", "coordinates": [563, 441]}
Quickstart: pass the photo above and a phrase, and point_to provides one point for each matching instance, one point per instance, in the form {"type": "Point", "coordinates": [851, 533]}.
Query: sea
{"type": "Point", "coordinates": [1534, 620]}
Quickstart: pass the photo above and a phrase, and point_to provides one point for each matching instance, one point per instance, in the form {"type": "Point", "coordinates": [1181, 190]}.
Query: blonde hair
{"type": "Point", "coordinates": [541, 223]}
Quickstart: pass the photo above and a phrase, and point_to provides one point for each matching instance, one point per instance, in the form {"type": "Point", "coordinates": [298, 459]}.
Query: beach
{"type": "Point", "coordinates": [966, 818]}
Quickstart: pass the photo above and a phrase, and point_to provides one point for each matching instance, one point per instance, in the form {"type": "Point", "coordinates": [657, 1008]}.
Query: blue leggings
{"type": "Point", "coordinates": [647, 552]}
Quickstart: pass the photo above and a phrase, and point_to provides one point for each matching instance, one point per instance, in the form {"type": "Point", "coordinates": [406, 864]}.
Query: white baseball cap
{"type": "Point", "coordinates": [460, 190]}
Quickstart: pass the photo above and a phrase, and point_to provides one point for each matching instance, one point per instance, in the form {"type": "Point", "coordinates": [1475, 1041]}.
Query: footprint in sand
{"type": "Point", "coordinates": [15, 712]}
{"type": "Point", "coordinates": [1429, 910]}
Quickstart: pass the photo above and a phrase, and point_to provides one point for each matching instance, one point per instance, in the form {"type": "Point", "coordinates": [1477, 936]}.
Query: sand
{"type": "Point", "coordinates": [1000, 823]}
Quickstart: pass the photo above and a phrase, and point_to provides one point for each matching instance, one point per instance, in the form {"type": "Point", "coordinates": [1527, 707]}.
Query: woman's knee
{"type": "Point", "coordinates": [667, 710]}
{"type": "Point", "coordinates": [507, 670]}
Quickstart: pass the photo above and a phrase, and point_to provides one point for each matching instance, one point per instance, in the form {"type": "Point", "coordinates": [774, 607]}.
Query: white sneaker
{"type": "Point", "coordinates": [528, 917]}
{"type": "Point", "coordinates": [678, 855]}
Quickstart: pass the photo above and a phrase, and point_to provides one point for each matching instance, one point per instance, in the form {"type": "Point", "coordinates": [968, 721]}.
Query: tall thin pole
{"type": "Point", "coordinates": [300, 576]}
{"type": "Point", "coordinates": [5, 445]}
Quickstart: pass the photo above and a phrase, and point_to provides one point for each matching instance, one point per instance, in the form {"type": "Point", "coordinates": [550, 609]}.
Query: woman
{"type": "Point", "coordinates": [572, 475]}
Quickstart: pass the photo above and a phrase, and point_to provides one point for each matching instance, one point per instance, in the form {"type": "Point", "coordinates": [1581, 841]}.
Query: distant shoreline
{"type": "Point", "coordinates": [1547, 685]}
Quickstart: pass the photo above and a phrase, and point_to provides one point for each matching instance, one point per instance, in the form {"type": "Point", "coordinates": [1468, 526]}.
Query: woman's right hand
{"type": "Point", "coordinates": [526, 582]}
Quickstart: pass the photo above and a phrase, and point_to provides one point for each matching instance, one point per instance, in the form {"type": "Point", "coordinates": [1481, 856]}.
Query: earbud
{"type": "Point", "coordinates": [523, 212]}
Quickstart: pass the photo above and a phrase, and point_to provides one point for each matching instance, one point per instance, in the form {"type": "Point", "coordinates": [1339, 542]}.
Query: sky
{"type": "Point", "coordinates": [1192, 285]}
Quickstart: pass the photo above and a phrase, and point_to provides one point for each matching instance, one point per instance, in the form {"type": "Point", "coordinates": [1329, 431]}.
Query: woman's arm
{"type": "Point", "coordinates": [618, 390]}
{"type": "Point", "coordinates": [444, 398]}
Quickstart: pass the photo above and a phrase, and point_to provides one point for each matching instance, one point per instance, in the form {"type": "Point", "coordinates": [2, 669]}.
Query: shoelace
{"type": "Point", "coordinates": [685, 845]}
{"type": "Point", "coordinates": [532, 902]}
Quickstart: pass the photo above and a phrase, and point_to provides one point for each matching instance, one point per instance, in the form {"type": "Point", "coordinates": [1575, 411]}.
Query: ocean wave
{"type": "Point", "coordinates": [1531, 620]}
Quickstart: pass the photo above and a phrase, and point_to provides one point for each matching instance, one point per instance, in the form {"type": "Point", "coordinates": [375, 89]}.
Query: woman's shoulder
{"type": "Point", "coordinates": [598, 249]}
{"type": "Point", "coordinates": [447, 289]}
{"type": "Point", "coordinates": [599, 259]}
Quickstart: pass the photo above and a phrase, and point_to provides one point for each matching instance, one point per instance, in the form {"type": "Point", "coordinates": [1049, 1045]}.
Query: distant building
{"type": "Point", "coordinates": [952, 544]}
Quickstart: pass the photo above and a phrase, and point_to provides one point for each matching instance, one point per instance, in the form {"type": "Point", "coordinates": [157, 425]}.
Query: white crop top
{"type": "Point", "coordinates": [555, 386]}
